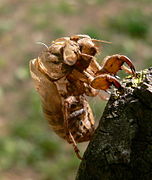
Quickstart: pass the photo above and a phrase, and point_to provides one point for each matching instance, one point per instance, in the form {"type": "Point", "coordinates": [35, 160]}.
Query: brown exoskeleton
{"type": "Point", "coordinates": [64, 74]}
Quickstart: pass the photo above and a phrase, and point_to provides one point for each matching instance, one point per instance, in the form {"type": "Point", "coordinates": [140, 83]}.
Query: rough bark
{"type": "Point", "coordinates": [121, 148]}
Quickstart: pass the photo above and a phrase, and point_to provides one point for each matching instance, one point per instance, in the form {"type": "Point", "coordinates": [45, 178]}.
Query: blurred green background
{"type": "Point", "coordinates": [29, 150]}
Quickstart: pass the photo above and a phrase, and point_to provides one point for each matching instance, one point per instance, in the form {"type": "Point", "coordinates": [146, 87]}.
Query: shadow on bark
{"type": "Point", "coordinates": [121, 148]}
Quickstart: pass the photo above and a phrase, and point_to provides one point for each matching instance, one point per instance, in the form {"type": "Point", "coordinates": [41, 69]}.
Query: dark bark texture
{"type": "Point", "coordinates": [121, 148]}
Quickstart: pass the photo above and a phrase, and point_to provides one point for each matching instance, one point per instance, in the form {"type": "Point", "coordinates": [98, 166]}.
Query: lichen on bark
{"type": "Point", "coordinates": [121, 148]}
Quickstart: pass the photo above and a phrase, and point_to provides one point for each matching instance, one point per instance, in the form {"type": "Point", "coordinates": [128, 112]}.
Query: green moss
{"type": "Point", "coordinates": [135, 81]}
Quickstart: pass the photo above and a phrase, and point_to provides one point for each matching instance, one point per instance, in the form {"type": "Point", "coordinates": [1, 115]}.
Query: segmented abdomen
{"type": "Point", "coordinates": [50, 98]}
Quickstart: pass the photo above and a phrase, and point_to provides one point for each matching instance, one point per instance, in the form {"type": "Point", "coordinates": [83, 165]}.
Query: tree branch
{"type": "Point", "coordinates": [121, 148]}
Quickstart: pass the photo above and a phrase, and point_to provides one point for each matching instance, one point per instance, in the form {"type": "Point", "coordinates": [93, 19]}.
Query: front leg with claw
{"type": "Point", "coordinates": [104, 81]}
{"type": "Point", "coordinates": [112, 64]}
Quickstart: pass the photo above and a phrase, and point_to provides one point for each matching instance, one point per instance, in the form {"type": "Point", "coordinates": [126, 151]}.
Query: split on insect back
{"type": "Point", "coordinates": [64, 74]}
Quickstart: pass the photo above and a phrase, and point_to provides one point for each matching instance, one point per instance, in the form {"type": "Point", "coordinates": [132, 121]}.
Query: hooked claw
{"type": "Point", "coordinates": [112, 64]}
{"type": "Point", "coordinates": [129, 63]}
{"type": "Point", "coordinates": [104, 81]}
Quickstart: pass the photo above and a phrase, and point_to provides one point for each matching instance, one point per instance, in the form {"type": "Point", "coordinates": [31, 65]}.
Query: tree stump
{"type": "Point", "coordinates": [121, 148]}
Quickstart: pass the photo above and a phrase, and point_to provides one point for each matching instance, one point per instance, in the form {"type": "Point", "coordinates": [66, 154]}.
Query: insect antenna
{"type": "Point", "coordinates": [102, 41]}
{"type": "Point", "coordinates": [41, 43]}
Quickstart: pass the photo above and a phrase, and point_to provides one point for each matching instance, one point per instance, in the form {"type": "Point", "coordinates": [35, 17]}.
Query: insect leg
{"type": "Point", "coordinates": [104, 81]}
{"type": "Point", "coordinates": [66, 115]}
{"type": "Point", "coordinates": [77, 151]}
{"type": "Point", "coordinates": [112, 64]}
{"type": "Point", "coordinates": [67, 103]}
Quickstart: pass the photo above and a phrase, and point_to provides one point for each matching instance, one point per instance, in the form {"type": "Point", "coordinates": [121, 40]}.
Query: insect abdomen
{"type": "Point", "coordinates": [50, 98]}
